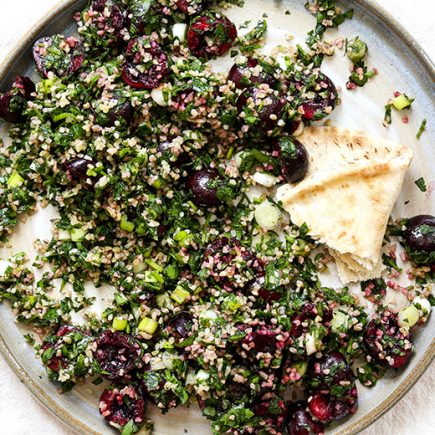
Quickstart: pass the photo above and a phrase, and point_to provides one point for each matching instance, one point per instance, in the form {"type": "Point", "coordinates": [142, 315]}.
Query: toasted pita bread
{"type": "Point", "coordinates": [347, 195]}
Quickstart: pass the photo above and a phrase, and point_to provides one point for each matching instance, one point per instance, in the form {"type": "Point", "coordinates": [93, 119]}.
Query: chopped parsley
{"type": "Point", "coordinates": [421, 184]}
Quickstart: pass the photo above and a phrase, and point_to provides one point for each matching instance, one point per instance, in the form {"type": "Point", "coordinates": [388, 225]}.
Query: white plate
{"type": "Point", "coordinates": [402, 66]}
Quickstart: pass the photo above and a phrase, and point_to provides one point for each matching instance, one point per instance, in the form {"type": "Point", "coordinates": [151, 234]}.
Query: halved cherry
{"type": "Point", "coordinates": [211, 35]}
{"type": "Point", "coordinates": [387, 343]}
{"type": "Point", "coordinates": [62, 56]}
{"type": "Point", "coordinates": [14, 102]}
{"type": "Point", "coordinates": [146, 65]}
{"type": "Point", "coordinates": [319, 98]}
{"type": "Point", "coordinates": [121, 404]}
{"type": "Point", "coordinates": [246, 74]}
{"type": "Point", "coordinates": [117, 354]}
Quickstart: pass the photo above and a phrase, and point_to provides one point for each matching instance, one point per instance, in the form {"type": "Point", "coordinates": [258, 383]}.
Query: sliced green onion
{"type": "Point", "coordinates": [171, 272]}
{"type": "Point", "coordinates": [163, 300]}
{"type": "Point", "coordinates": [126, 225]}
{"type": "Point", "coordinates": [387, 116]}
{"type": "Point", "coordinates": [148, 325]}
{"type": "Point", "coordinates": [422, 128]}
{"type": "Point", "coordinates": [265, 179]}
{"type": "Point", "coordinates": [183, 238]}
{"type": "Point", "coordinates": [401, 102]}
{"type": "Point", "coordinates": [157, 184]}
{"type": "Point", "coordinates": [64, 235]}
{"type": "Point", "coordinates": [153, 277]}
{"type": "Point", "coordinates": [422, 304]}
{"type": "Point", "coordinates": [15, 180]}
{"type": "Point", "coordinates": [408, 317]}
{"type": "Point", "coordinates": [119, 324]}
{"type": "Point", "coordinates": [230, 152]}
{"type": "Point", "coordinates": [120, 299]}
{"type": "Point", "coordinates": [179, 31]}
{"type": "Point", "coordinates": [202, 376]}
{"type": "Point", "coordinates": [179, 295]}
{"type": "Point", "coordinates": [208, 315]}
{"type": "Point", "coordinates": [180, 236]}
{"type": "Point", "coordinates": [154, 265]}
{"type": "Point", "coordinates": [159, 97]}
{"type": "Point", "coordinates": [77, 234]}
{"type": "Point", "coordinates": [301, 367]}
{"type": "Point", "coordinates": [267, 215]}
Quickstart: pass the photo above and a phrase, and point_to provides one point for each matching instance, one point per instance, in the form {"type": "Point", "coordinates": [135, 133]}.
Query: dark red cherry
{"type": "Point", "coordinates": [121, 404]}
{"type": "Point", "coordinates": [14, 102]}
{"type": "Point", "coordinates": [211, 35]}
{"type": "Point", "coordinates": [332, 370]}
{"type": "Point", "coordinates": [245, 75]}
{"type": "Point", "coordinates": [327, 408]}
{"type": "Point", "coordinates": [117, 355]}
{"type": "Point", "coordinates": [202, 184]}
{"type": "Point", "coordinates": [300, 422]}
{"type": "Point", "coordinates": [319, 99]}
{"type": "Point", "coordinates": [420, 233]}
{"type": "Point", "coordinates": [76, 169]}
{"type": "Point", "coordinates": [386, 342]}
{"type": "Point", "coordinates": [59, 55]}
{"type": "Point", "coordinates": [293, 157]}
{"type": "Point", "coordinates": [261, 109]}
{"type": "Point", "coordinates": [146, 64]}
{"type": "Point", "coordinates": [180, 325]}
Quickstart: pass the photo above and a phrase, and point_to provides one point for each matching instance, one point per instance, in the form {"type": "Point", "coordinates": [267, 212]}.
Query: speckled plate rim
{"type": "Point", "coordinates": [76, 424]}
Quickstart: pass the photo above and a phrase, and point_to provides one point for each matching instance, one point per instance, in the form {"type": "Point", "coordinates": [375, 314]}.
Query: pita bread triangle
{"type": "Point", "coordinates": [347, 195]}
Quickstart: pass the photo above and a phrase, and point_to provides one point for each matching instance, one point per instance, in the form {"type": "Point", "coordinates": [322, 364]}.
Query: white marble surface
{"type": "Point", "coordinates": [20, 414]}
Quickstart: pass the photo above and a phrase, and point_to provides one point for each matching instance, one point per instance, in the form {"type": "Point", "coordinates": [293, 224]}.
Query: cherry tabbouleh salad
{"type": "Point", "coordinates": [151, 160]}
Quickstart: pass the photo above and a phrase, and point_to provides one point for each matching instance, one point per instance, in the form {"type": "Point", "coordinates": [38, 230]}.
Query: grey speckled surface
{"type": "Point", "coordinates": [20, 414]}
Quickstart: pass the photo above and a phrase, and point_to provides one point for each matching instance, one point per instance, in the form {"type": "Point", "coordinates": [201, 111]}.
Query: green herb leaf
{"type": "Point", "coordinates": [421, 184]}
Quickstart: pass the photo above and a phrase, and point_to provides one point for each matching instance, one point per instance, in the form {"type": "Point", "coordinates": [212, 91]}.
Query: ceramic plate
{"type": "Point", "coordinates": [402, 66]}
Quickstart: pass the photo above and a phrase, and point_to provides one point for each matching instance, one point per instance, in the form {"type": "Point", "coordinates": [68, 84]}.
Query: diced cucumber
{"type": "Point", "coordinates": [301, 367]}
{"type": "Point", "coordinates": [310, 344]}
